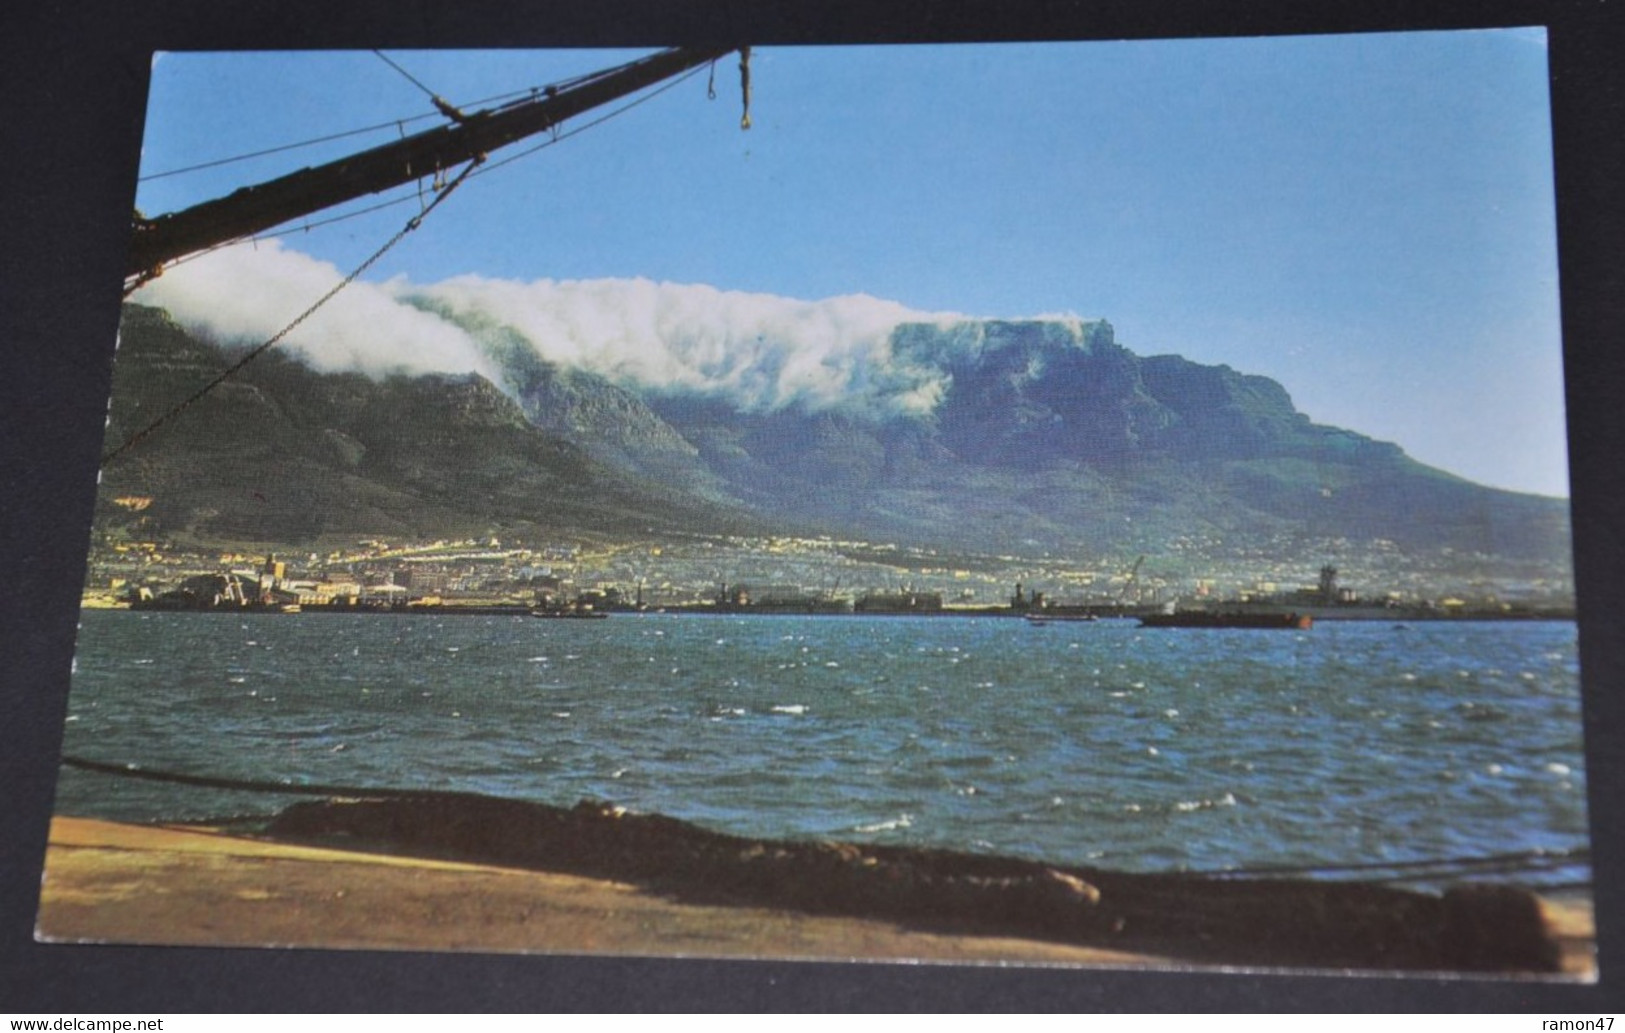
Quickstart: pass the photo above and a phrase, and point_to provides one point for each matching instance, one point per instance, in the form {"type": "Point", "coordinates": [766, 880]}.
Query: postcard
{"type": "Point", "coordinates": [1096, 504]}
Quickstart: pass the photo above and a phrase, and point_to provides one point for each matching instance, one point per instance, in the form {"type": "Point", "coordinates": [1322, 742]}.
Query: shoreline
{"type": "Point", "coordinates": [1329, 615]}
{"type": "Point", "coordinates": [112, 882]}
{"type": "Point", "coordinates": [464, 872]}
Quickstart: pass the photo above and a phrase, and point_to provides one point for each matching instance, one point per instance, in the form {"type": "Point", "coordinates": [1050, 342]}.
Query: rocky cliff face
{"type": "Point", "coordinates": [1051, 433]}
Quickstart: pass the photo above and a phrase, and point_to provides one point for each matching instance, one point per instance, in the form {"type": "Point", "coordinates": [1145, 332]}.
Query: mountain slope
{"type": "Point", "coordinates": [1050, 433]}
{"type": "Point", "coordinates": [281, 454]}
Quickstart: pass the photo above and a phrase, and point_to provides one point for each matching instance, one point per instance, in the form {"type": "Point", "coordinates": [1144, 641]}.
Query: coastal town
{"type": "Point", "coordinates": [794, 575]}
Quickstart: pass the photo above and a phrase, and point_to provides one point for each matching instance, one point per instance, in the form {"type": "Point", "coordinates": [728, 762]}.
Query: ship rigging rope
{"type": "Point", "coordinates": [505, 100]}
{"type": "Point", "coordinates": [1515, 861]}
{"type": "Point", "coordinates": [284, 147]}
{"type": "Point", "coordinates": [440, 103]}
{"type": "Point", "coordinates": [315, 141]}
{"type": "Point", "coordinates": [411, 224]}
{"type": "Point", "coordinates": [600, 120]}
{"type": "Point", "coordinates": [1421, 870]}
{"type": "Point", "coordinates": [408, 76]}
{"type": "Point", "coordinates": [306, 226]}
{"type": "Point", "coordinates": [248, 785]}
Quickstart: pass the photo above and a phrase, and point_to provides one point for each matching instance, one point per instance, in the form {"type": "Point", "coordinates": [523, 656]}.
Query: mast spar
{"type": "Point", "coordinates": [254, 209]}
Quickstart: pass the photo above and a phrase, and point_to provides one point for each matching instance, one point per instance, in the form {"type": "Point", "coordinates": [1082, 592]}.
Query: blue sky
{"type": "Point", "coordinates": [1367, 219]}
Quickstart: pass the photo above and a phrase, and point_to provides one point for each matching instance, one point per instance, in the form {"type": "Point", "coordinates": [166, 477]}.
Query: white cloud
{"type": "Point", "coordinates": [248, 293]}
{"type": "Point", "coordinates": [761, 352]}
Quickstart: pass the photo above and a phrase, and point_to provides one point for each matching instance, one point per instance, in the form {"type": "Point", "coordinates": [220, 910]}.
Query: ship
{"type": "Point", "coordinates": [1042, 619]}
{"type": "Point", "coordinates": [1227, 619]}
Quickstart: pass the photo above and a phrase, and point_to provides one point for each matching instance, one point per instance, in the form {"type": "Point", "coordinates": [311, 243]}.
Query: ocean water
{"type": "Point", "coordinates": [1090, 744]}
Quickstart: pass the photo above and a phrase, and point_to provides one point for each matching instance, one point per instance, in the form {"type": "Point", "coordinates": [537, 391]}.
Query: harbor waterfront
{"type": "Point", "coordinates": [1098, 743]}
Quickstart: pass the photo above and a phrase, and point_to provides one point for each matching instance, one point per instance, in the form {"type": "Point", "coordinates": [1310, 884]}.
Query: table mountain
{"type": "Point", "coordinates": [1045, 435]}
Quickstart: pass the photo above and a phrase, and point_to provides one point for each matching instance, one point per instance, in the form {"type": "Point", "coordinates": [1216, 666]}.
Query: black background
{"type": "Point", "coordinates": [73, 81]}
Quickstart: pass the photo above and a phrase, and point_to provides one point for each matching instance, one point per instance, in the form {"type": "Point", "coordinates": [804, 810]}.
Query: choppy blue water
{"type": "Point", "coordinates": [1103, 743]}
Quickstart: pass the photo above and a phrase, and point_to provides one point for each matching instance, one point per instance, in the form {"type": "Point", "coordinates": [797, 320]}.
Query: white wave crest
{"type": "Point", "coordinates": [902, 821]}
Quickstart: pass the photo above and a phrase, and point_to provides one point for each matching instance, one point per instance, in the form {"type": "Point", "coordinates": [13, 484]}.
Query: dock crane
{"type": "Point", "coordinates": [1129, 581]}
{"type": "Point", "coordinates": [159, 241]}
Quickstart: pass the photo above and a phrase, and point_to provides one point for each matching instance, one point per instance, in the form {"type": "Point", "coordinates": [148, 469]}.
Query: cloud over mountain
{"type": "Point", "coordinates": [759, 352]}
{"type": "Point", "coordinates": [247, 293]}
